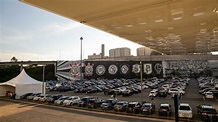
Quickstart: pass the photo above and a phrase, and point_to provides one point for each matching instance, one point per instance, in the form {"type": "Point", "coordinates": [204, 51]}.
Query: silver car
{"type": "Point", "coordinates": [71, 100]}
{"type": "Point", "coordinates": [60, 100]}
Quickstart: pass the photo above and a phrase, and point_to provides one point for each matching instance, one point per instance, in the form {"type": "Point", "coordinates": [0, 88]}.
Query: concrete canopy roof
{"type": "Point", "coordinates": [169, 26]}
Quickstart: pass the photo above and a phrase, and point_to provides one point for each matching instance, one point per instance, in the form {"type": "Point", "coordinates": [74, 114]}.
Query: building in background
{"type": "Point", "coordinates": [120, 52]}
{"type": "Point", "coordinates": [98, 56]}
{"type": "Point", "coordinates": [95, 56]}
{"type": "Point", "coordinates": [143, 51]}
{"type": "Point", "coordinates": [102, 51]}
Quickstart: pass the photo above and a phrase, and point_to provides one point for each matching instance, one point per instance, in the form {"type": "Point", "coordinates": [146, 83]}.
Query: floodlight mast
{"type": "Point", "coordinates": [81, 38]}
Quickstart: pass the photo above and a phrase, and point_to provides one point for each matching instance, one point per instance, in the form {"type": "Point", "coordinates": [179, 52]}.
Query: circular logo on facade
{"type": "Point", "coordinates": [89, 69]}
{"type": "Point", "coordinates": [124, 69]}
{"type": "Point", "coordinates": [100, 70]}
{"type": "Point", "coordinates": [136, 68]}
{"type": "Point", "coordinates": [158, 68]}
{"type": "Point", "coordinates": [112, 69]}
{"type": "Point", "coordinates": [75, 70]}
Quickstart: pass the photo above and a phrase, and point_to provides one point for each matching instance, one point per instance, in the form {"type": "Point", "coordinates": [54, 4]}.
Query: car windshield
{"type": "Point", "coordinates": [146, 105]}
{"type": "Point", "coordinates": [209, 93]}
{"type": "Point", "coordinates": [109, 101]}
{"type": "Point", "coordinates": [209, 110]}
{"type": "Point", "coordinates": [131, 105]}
{"type": "Point", "coordinates": [120, 103]}
{"type": "Point", "coordinates": [184, 108]}
{"type": "Point", "coordinates": [69, 98]}
{"type": "Point", "coordinates": [164, 107]}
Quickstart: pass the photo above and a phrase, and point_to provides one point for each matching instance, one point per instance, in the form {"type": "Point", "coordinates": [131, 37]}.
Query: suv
{"type": "Point", "coordinates": [148, 108]}
{"type": "Point", "coordinates": [207, 113]}
{"type": "Point", "coordinates": [185, 111]}
{"type": "Point", "coordinates": [165, 110]}
{"type": "Point", "coordinates": [133, 107]}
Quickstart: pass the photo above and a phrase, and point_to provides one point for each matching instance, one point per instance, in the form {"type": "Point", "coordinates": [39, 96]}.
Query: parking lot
{"type": "Point", "coordinates": [191, 97]}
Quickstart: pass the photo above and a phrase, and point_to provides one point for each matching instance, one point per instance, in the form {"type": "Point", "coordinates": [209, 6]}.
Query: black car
{"type": "Point", "coordinates": [133, 107]}
{"type": "Point", "coordinates": [148, 108]}
{"type": "Point", "coordinates": [207, 113]}
{"type": "Point", "coordinates": [52, 98]}
{"type": "Point", "coordinates": [94, 103]}
{"type": "Point", "coordinates": [84, 101]}
{"type": "Point", "coordinates": [24, 96]}
{"type": "Point", "coordinates": [165, 110]}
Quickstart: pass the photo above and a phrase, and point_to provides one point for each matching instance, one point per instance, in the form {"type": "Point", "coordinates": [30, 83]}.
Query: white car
{"type": "Point", "coordinates": [71, 100]}
{"type": "Point", "coordinates": [208, 95]}
{"type": "Point", "coordinates": [185, 111]}
{"type": "Point", "coordinates": [176, 91]}
{"type": "Point", "coordinates": [153, 93]}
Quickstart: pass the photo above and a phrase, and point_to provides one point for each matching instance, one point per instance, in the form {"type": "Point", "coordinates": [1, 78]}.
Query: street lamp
{"type": "Point", "coordinates": [141, 80]}
{"type": "Point", "coordinates": [81, 38]}
{"type": "Point", "coordinates": [43, 79]}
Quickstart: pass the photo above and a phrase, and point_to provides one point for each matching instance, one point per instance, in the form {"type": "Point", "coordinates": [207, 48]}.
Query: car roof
{"type": "Point", "coordinates": [147, 104]}
{"type": "Point", "coordinates": [207, 106]}
{"type": "Point", "coordinates": [133, 102]}
{"type": "Point", "coordinates": [165, 104]}
{"type": "Point", "coordinates": [184, 104]}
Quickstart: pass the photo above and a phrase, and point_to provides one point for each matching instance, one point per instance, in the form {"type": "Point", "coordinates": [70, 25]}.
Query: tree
{"type": "Point", "coordinates": [14, 59]}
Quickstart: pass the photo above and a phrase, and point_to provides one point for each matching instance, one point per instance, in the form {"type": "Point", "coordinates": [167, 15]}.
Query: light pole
{"type": "Point", "coordinates": [43, 79]}
{"type": "Point", "coordinates": [81, 38]}
{"type": "Point", "coordinates": [141, 80]}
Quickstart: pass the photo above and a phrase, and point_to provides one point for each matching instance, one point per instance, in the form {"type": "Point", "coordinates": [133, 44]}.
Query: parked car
{"type": "Point", "coordinates": [206, 90]}
{"type": "Point", "coordinates": [185, 111]}
{"type": "Point", "coordinates": [42, 98]}
{"type": "Point", "coordinates": [30, 97]}
{"type": "Point", "coordinates": [133, 107]}
{"type": "Point", "coordinates": [60, 100]}
{"type": "Point", "coordinates": [173, 91]}
{"type": "Point", "coordinates": [207, 113]}
{"type": "Point", "coordinates": [24, 96]}
{"type": "Point", "coordinates": [108, 104]}
{"type": "Point", "coordinates": [94, 103]}
{"type": "Point", "coordinates": [121, 106]}
{"type": "Point", "coordinates": [127, 92]}
{"type": "Point", "coordinates": [153, 93]}
{"type": "Point", "coordinates": [52, 98]}
{"type": "Point", "coordinates": [162, 92]}
{"type": "Point", "coordinates": [72, 100]}
{"type": "Point", "coordinates": [208, 95]}
{"type": "Point", "coordinates": [165, 110]}
{"type": "Point", "coordinates": [84, 101]}
{"type": "Point", "coordinates": [148, 108]}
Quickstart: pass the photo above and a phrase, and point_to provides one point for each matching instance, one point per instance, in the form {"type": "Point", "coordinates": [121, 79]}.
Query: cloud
{"type": "Point", "coordinates": [14, 36]}
{"type": "Point", "coordinates": [61, 27]}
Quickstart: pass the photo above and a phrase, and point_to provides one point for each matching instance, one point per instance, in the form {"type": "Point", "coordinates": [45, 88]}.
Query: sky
{"type": "Point", "coordinates": [30, 33]}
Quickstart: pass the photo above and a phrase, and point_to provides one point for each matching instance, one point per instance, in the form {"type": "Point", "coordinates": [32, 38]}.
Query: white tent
{"type": "Point", "coordinates": [20, 85]}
